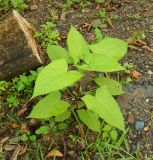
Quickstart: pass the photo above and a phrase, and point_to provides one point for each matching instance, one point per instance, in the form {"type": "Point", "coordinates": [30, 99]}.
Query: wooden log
{"type": "Point", "coordinates": [18, 49]}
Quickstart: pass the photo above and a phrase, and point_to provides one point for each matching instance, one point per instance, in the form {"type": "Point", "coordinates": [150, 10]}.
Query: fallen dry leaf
{"type": "Point", "coordinates": [109, 22]}
{"type": "Point", "coordinates": [34, 7]}
{"type": "Point", "coordinates": [22, 111]}
{"type": "Point", "coordinates": [142, 42]}
{"type": "Point", "coordinates": [54, 153]}
{"type": "Point", "coordinates": [135, 75]}
{"type": "Point", "coordinates": [131, 119]}
{"type": "Point", "coordinates": [134, 48]}
{"type": "Point", "coordinates": [148, 48]}
{"type": "Point", "coordinates": [24, 128]}
{"type": "Point", "coordinates": [13, 125]}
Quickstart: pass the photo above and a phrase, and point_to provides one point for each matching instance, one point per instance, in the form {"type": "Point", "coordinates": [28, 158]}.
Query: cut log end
{"type": "Point", "coordinates": [18, 47]}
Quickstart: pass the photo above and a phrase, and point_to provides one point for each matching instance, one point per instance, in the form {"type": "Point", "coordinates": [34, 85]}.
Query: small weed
{"type": "Point", "coordinates": [137, 35]}
{"type": "Point", "coordinates": [2, 155]}
{"type": "Point", "coordinates": [14, 89]}
{"type": "Point", "coordinates": [100, 1]}
{"type": "Point", "coordinates": [57, 70]}
{"type": "Point", "coordinates": [19, 5]}
{"type": "Point", "coordinates": [48, 34]}
{"type": "Point", "coordinates": [102, 14]}
{"type": "Point", "coordinates": [28, 137]}
{"type": "Point", "coordinates": [82, 3]}
{"type": "Point", "coordinates": [12, 101]}
{"type": "Point", "coordinates": [4, 5]}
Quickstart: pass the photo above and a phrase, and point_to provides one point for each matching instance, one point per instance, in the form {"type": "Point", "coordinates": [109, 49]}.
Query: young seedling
{"type": "Point", "coordinates": [19, 5]}
{"type": "Point", "coordinates": [66, 82]}
{"type": "Point", "coordinates": [48, 35]}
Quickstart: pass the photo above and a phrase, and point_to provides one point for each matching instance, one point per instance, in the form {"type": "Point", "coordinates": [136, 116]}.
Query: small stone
{"type": "Point", "coordinates": [96, 23]}
{"type": "Point", "coordinates": [146, 129]}
{"type": "Point", "coordinates": [139, 125]}
{"type": "Point", "coordinates": [147, 100]}
{"type": "Point", "coordinates": [71, 152]}
{"type": "Point", "coordinates": [103, 26]}
{"type": "Point", "coordinates": [150, 72]}
{"type": "Point", "coordinates": [96, 157]}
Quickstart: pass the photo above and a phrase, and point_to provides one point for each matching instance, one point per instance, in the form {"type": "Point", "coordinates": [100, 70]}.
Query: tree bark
{"type": "Point", "coordinates": [18, 49]}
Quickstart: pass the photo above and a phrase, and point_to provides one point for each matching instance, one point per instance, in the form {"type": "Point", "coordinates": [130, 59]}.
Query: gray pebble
{"type": "Point", "coordinates": [96, 157]}
{"type": "Point", "coordinates": [150, 72]}
{"type": "Point", "coordinates": [139, 125]}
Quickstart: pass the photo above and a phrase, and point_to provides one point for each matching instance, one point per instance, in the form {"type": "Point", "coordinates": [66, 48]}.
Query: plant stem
{"type": "Point", "coordinates": [81, 129]}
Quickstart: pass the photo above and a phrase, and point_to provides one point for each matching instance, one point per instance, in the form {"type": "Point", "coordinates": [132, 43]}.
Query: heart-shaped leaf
{"type": "Point", "coordinates": [90, 119]}
{"type": "Point", "coordinates": [112, 47]}
{"type": "Point", "coordinates": [78, 47]}
{"type": "Point", "coordinates": [54, 77]}
{"type": "Point", "coordinates": [57, 52]}
{"type": "Point", "coordinates": [106, 107]}
{"type": "Point", "coordinates": [50, 106]}
{"type": "Point", "coordinates": [102, 63]}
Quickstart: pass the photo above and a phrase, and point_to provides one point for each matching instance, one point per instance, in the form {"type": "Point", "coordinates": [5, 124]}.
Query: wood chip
{"type": "Point", "coordinates": [4, 139]}
{"type": "Point", "coordinates": [9, 147]}
{"type": "Point", "coordinates": [16, 152]}
{"type": "Point", "coordinates": [147, 48]}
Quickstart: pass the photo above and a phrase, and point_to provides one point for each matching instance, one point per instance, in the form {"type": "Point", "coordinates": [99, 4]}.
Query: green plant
{"type": "Point", "coordinates": [3, 86]}
{"type": "Point", "coordinates": [137, 35]}
{"type": "Point", "coordinates": [14, 89]}
{"type": "Point", "coordinates": [19, 5]}
{"type": "Point", "coordinates": [99, 1]}
{"type": "Point", "coordinates": [69, 3]}
{"type": "Point", "coordinates": [102, 14]}
{"type": "Point", "coordinates": [93, 104]}
{"type": "Point", "coordinates": [12, 101]}
{"type": "Point", "coordinates": [82, 3]}
{"type": "Point", "coordinates": [4, 5]}
{"type": "Point", "coordinates": [28, 137]}
{"type": "Point", "coordinates": [48, 34]}
{"type": "Point", "coordinates": [43, 130]}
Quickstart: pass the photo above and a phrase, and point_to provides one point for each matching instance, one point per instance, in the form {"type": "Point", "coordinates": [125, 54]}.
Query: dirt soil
{"type": "Point", "coordinates": [133, 18]}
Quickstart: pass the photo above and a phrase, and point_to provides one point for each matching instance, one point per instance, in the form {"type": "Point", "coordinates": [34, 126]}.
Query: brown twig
{"type": "Point", "coordinates": [16, 153]}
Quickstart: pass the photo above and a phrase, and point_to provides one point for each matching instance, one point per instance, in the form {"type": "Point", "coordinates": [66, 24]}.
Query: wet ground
{"type": "Point", "coordinates": [129, 20]}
